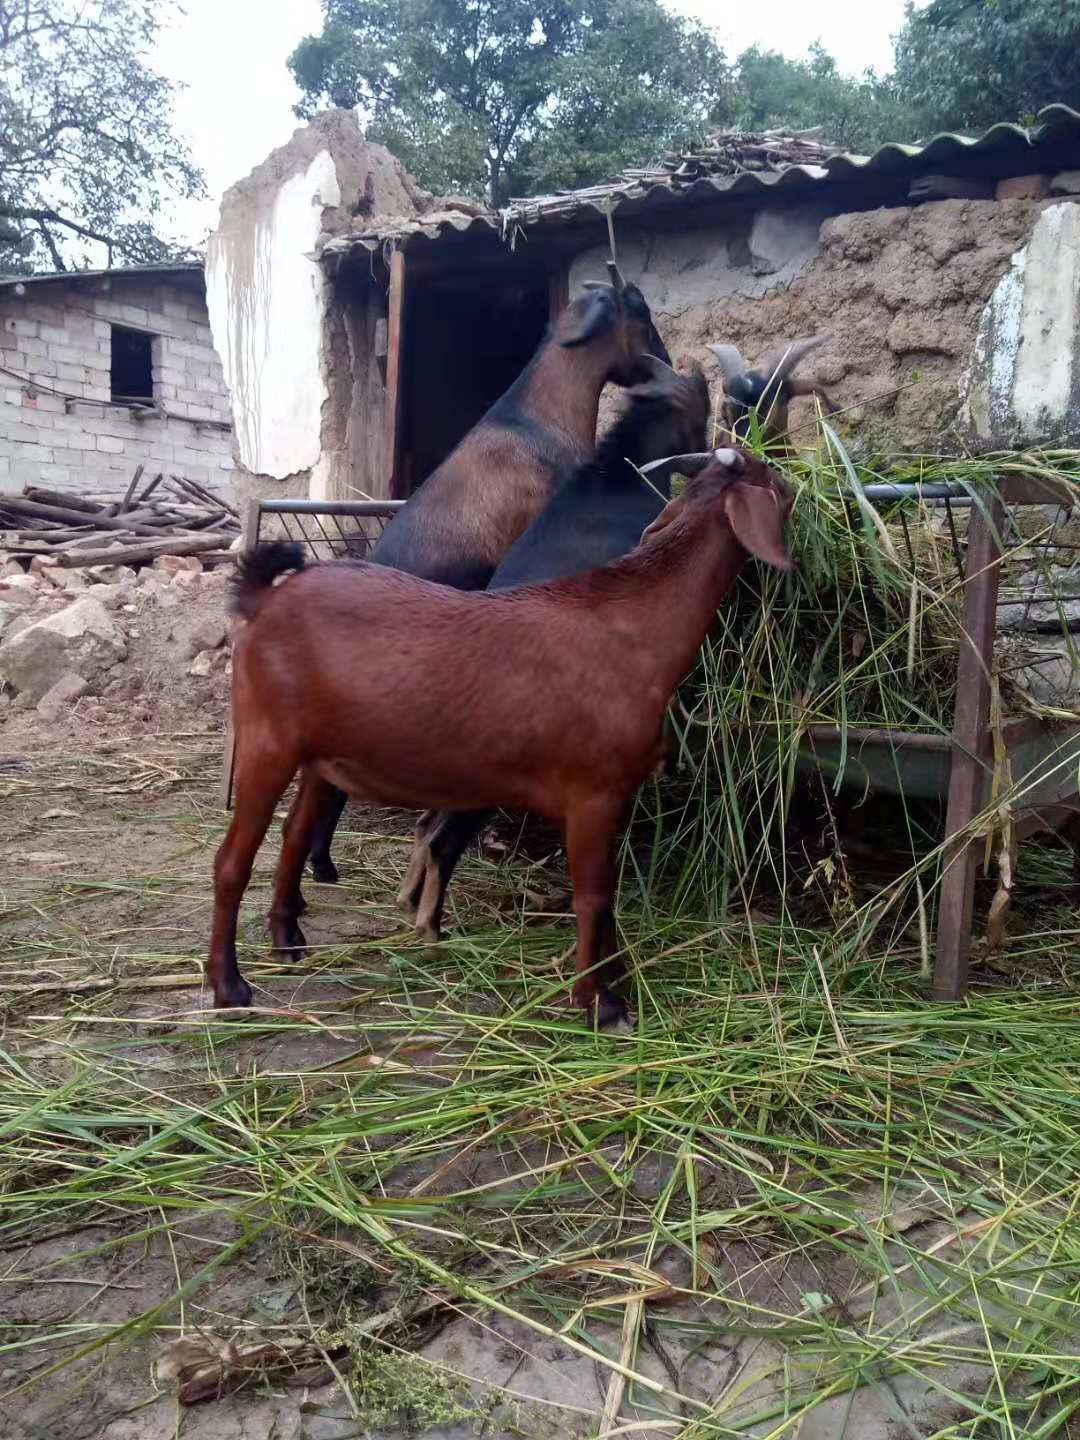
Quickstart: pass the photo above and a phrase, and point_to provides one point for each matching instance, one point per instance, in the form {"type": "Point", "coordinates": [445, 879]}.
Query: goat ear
{"type": "Point", "coordinates": [757, 518]}
{"type": "Point", "coordinates": [671, 512]}
{"type": "Point", "coordinates": [592, 315]}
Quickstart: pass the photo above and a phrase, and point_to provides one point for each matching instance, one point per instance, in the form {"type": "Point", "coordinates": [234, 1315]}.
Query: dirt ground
{"type": "Point", "coordinates": [109, 816]}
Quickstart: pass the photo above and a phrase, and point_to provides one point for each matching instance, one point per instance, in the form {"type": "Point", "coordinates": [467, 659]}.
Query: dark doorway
{"type": "Point", "coordinates": [467, 339]}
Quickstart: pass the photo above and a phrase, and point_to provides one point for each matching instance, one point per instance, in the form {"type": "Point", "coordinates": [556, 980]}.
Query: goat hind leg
{"type": "Point", "coordinates": [287, 904]}
{"type": "Point", "coordinates": [260, 782]}
{"type": "Point", "coordinates": [322, 867]}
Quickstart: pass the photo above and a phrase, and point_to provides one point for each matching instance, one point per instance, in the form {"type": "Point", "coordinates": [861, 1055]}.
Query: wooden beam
{"type": "Point", "coordinates": [971, 756]}
{"type": "Point", "coordinates": [395, 387]}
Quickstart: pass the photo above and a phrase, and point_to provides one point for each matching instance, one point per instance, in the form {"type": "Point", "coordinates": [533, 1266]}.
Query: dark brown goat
{"type": "Point", "coordinates": [598, 515]}
{"type": "Point", "coordinates": [471, 509]}
{"type": "Point", "coordinates": [411, 694]}
{"type": "Point", "coordinates": [767, 391]}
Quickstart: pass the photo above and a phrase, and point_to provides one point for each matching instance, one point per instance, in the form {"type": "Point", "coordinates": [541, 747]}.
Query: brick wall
{"type": "Point", "coordinates": [57, 337]}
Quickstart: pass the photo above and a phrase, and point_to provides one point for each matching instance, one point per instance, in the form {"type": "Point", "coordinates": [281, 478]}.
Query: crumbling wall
{"type": "Point", "coordinates": [269, 298]}
{"type": "Point", "coordinates": [901, 292]}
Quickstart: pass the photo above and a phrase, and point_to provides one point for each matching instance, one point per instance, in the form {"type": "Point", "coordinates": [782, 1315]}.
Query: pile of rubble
{"type": "Point", "coordinates": [82, 641]}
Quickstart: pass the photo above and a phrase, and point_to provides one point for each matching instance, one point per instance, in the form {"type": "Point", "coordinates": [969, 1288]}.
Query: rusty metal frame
{"type": "Point", "coordinates": [970, 741]}
{"type": "Point", "coordinates": [353, 544]}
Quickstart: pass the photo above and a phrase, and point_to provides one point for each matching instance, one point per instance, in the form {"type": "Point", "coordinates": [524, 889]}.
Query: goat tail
{"type": "Point", "coordinates": [257, 570]}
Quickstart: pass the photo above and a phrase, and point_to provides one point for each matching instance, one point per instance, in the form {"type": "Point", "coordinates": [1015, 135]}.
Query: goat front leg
{"type": "Point", "coordinates": [259, 784]}
{"type": "Point", "coordinates": [590, 841]}
{"type": "Point", "coordinates": [287, 904]}
{"type": "Point", "coordinates": [446, 843]}
{"type": "Point", "coordinates": [322, 867]}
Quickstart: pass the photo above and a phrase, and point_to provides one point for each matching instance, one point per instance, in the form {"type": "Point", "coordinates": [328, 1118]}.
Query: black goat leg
{"type": "Point", "coordinates": [322, 867]}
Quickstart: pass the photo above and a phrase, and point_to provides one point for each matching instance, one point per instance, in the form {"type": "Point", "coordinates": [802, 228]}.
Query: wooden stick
{"type": "Point", "coordinates": [57, 497]}
{"type": "Point", "coordinates": [151, 488]}
{"type": "Point", "coordinates": [141, 554]}
{"type": "Point", "coordinates": [119, 510]}
{"type": "Point", "coordinates": [18, 506]}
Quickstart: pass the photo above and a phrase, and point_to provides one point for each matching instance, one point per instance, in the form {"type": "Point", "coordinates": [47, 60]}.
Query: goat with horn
{"type": "Point", "coordinates": [768, 390]}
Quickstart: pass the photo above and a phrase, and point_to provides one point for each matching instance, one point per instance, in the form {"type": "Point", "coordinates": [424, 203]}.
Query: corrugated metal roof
{"type": "Point", "coordinates": [190, 267]}
{"type": "Point", "coordinates": [1002, 150]}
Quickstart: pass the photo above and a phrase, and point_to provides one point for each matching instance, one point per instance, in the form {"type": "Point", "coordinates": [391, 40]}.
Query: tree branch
{"type": "Point", "coordinates": [51, 217]}
{"type": "Point", "coordinates": [46, 235]}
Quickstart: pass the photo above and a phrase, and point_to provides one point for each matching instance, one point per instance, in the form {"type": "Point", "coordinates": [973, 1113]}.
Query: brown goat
{"type": "Point", "coordinates": [411, 694]}
{"type": "Point", "coordinates": [471, 509]}
{"type": "Point", "coordinates": [767, 391]}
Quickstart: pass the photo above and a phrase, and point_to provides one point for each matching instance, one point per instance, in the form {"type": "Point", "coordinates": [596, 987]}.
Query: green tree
{"type": "Point", "coordinates": [858, 113]}
{"type": "Point", "coordinates": [966, 64]}
{"type": "Point", "coordinates": [87, 150]}
{"type": "Point", "coordinates": [501, 97]}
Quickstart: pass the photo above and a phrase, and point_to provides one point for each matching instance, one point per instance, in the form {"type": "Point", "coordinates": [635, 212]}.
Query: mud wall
{"type": "Point", "coordinates": [901, 291]}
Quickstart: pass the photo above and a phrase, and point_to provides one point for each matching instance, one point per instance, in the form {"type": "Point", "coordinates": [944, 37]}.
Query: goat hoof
{"type": "Point", "coordinates": [407, 904]}
{"type": "Point", "coordinates": [611, 1013]}
{"type": "Point", "coordinates": [325, 871]}
{"type": "Point", "coordinates": [236, 996]}
{"type": "Point", "coordinates": [288, 939]}
{"type": "Point", "coordinates": [430, 934]}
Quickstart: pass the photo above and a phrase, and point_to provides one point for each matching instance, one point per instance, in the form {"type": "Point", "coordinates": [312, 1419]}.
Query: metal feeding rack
{"type": "Point", "coordinates": [1042, 756]}
{"type": "Point", "coordinates": [958, 766]}
{"type": "Point", "coordinates": [317, 526]}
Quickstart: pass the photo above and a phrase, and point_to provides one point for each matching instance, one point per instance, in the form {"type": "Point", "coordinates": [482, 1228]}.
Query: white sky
{"type": "Point", "coordinates": [231, 55]}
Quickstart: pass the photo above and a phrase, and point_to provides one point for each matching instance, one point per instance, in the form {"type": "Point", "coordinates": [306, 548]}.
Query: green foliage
{"type": "Point", "coordinates": [966, 64]}
{"type": "Point", "coordinates": [87, 150]}
{"type": "Point", "coordinates": [498, 96]}
{"type": "Point", "coordinates": [857, 113]}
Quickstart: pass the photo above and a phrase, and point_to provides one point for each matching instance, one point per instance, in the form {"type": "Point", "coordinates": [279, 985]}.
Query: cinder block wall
{"type": "Point", "coordinates": [57, 338]}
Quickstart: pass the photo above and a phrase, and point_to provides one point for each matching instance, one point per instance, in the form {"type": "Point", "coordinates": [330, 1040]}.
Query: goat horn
{"type": "Point", "coordinates": [731, 362]}
{"type": "Point", "coordinates": [780, 365]}
{"type": "Point", "coordinates": [618, 284]}
{"type": "Point", "coordinates": [688, 465]}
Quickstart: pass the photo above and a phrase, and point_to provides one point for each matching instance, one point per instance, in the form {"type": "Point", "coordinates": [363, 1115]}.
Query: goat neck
{"type": "Point", "coordinates": [671, 586]}
{"type": "Point", "coordinates": [561, 389]}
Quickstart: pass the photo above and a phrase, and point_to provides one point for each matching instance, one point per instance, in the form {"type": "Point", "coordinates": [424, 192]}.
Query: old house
{"type": "Point", "coordinates": [101, 371]}
{"type": "Point", "coordinates": [364, 325]}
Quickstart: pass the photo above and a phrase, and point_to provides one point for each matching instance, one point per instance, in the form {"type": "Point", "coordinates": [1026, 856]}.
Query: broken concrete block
{"type": "Point", "coordinates": [56, 700]}
{"type": "Point", "coordinates": [82, 637]}
{"type": "Point", "coordinates": [109, 574]}
{"type": "Point", "coordinates": [64, 579]}
{"type": "Point", "coordinates": [1023, 187]}
{"type": "Point", "coordinates": [8, 613]}
{"type": "Point", "coordinates": [209, 634]}
{"type": "Point", "coordinates": [173, 564]}
{"type": "Point", "coordinates": [1065, 182]}
{"type": "Point", "coordinates": [29, 584]}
